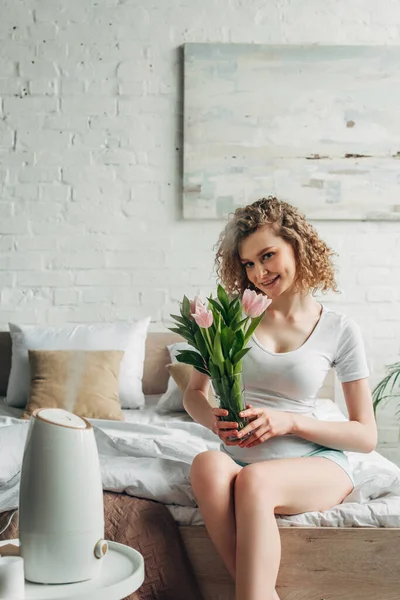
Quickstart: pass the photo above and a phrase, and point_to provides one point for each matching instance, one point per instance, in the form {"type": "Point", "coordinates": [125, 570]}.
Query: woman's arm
{"type": "Point", "coordinates": [357, 435]}
{"type": "Point", "coordinates": [195, 399]}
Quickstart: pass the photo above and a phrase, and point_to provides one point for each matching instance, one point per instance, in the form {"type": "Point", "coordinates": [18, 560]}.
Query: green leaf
{"type": "Point", "coordinates": [385, 389]}
{"type": "Point", "coordinates": [234, 301]}
{"type": "Point", "coordinates": [185, 308]}
{"type": "Point", "coordinates": [191, 357]}
{"type": "Point", "coordinates": [203, 370]}
{"type": "Point", "coordinates": [378, 394]}
{"type": "Point", "coordinates": [218, 324]}
{"type": "Point", "coordinates": [212, 330]}
{"type": "Point", "coordinates": [238, 367]}
{"type": "Point", "coordinates": [238, 343]}
{"type": "Point", "coordinates": [214, 371]}
{"type": "Point", "coordinates": [218, 356]}
{"type": "Point", "coordinates": [180, 332]}
{"type": "Point", "coordinates": [217, 306]}
{"type": "Point", "coordinates": [253, 326]}
{"type": "Point", "coordinates": [239, 324]}
{"type": "Point", "coordinates": [227, 339]}
{"type": "Point", "coordinates": [234, 312]}
{"type": "Point", "coordinates": [201, 345]}
{"type": "Point", "coordinates": [222, 297]}
{"type": "Point", "coordinates": [200, 368]}
{"type": "Point", "coordinates": [396, 377]}
{"type": "Point", "coordinates": [239, 355]}
{"type": "Point", "coordinates": [182, 320]}
{"type": "Point", "coordinates": [208, 340]}
{"type": "Point", "coordinates": [228, 367]}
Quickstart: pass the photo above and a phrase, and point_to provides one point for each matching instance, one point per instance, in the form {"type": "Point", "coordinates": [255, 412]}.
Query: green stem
{"type": "Point", "coordinates": [245, 327]}
{"type": "Point", "coordinates": [207, 339]}
{"type": "Point", "coordinates": [229, 392]}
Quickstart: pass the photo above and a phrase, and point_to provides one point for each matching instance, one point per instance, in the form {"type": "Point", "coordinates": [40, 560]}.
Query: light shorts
{"type": "Point", "coordinates": [337, 456]}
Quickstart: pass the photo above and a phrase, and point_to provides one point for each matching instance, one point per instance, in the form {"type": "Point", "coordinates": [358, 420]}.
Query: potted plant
{"type": "Point", "coordinates": [388, 387]}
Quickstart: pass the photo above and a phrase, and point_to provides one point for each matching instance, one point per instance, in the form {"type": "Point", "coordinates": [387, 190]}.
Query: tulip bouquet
{"type": "Point", "coordinates": [219, 334]}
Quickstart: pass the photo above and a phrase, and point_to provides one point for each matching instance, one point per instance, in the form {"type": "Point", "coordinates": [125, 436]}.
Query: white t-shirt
{"type": "Point", "coordinates": [290, 381]}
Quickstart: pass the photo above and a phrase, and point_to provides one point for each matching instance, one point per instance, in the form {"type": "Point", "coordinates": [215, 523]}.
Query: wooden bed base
{"type": "Point", "coordinates": [318, 563]}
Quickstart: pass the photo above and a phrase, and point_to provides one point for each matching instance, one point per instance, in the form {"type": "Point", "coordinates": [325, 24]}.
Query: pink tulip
{"type": "Point", "coordinates": [196, 304]}
{"type": "Point", "coordinates": [254, 304]}
{"type": "Point", "coordinates": [203, 317]}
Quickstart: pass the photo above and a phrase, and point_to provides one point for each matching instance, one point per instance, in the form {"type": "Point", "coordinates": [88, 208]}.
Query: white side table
{"type": "Point", "coordinates": [122, 574]}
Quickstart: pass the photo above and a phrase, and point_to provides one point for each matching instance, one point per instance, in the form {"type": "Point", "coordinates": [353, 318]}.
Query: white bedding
{"type": "Point", "coordinates": [149, 456]}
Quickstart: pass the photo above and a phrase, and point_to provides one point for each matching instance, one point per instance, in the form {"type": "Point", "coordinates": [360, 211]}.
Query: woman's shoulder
{"type": "Point", "coordinates": [343, 325]}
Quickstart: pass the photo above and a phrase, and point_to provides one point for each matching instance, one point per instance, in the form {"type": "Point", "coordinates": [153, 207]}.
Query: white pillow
{"type": "Point", "coordinates": [172, 399]}
{"type": "Point", "coordinates": [130, 337]}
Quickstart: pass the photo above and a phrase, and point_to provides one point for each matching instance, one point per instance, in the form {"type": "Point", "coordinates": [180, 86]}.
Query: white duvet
{"type": "Point", "coordinates": [149, 456]}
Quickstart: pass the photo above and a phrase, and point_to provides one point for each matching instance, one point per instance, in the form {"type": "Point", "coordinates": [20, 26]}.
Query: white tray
{"type": "Point", "coordinates": [122, 574]}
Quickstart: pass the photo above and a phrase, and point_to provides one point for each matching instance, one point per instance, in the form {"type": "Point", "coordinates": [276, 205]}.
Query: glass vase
{"type": "Point", "coordinates": [229, 394]}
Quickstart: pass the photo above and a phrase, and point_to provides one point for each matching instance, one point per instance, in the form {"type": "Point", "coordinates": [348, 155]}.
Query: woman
{"type": "Point", "coordinates": [292, 462]}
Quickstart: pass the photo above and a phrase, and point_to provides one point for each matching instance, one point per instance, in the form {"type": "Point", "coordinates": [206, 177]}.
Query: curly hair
{"type": "Point", "coordinates": [314, 267]}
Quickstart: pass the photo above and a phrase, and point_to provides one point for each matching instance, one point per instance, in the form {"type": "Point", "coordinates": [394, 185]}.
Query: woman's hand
{"type": "Point", "coordinates": [265, 424]}
{"type": "Point", "coordinates": [224, 429]}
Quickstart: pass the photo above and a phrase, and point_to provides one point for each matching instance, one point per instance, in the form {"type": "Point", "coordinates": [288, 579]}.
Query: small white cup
{"type": "Point", "coordinates": [12, 581]}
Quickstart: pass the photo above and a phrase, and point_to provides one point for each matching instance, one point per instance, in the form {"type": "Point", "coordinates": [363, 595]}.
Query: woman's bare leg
{"type": "Point", "coordinates": [213, 475]}
{"type": "Point", "coordinates": [286, 486]}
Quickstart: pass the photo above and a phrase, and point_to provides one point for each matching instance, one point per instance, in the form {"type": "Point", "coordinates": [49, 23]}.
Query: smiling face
{"type": "Point", "coordinates": [269, 262]}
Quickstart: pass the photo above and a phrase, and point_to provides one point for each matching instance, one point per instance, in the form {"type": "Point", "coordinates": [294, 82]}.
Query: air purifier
{"type": "Point", "coordinates": [61, 513]}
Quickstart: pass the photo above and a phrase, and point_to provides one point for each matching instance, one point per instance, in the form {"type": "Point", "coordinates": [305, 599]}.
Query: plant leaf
{"type": "Point", "coordinates": [201, 345]}
{"type": "Point", "coordinates": [252, 327]}
{"type": "Point", "coordinates": [182, 320]}
{"type": "Point", "coordinates": [179, 331]}
{"type": "Point", "coordinates": [218, 356]}
{"type": "Point", "coordinates": [238, 343]}
{"type": "Point", "coordinates": [214, 371]}
{"type": "Point", "coordinates": [191, 357]}
{"type": "Point", "coordinates": [239, 324]}
{"type": "Point", "coordinates": [378, 393]}
{"type": "Point", "coordinates": [228, 367]}
{"type": "Point", "coordinates": [185, 307]}
{"type": "Point", "coordinates": [217, 307]}
{"type": "Point", "coordinates": [395, 378]}
{"type": "Point", "coordinates": [222, 297]}
{"type": "Point", "coordinates": [227, 339]}
{"type": "Point", "coordinates": [202, 370]}
{"type": "Point", "coordinates": [238, 367]}
{"type": "Point", "coordinates": [234, 301]}
{"type": "Point", "coordinates": [239, 355]}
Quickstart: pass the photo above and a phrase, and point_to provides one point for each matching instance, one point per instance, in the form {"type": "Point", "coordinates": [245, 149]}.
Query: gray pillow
{"type": "Point", "coordinates": [172, 399]}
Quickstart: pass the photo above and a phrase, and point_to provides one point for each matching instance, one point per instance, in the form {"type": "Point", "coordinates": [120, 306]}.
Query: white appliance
{"type": "Point", "coordinates": [61, 513]}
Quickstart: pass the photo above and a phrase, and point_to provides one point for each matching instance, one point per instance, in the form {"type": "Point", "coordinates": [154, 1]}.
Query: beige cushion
{"type": "Point", "coordinates": [155, 375]}
{"type": "Point", "coordinates": [82, 382]}
{"type": "Point", "coordinates": [181, 373]}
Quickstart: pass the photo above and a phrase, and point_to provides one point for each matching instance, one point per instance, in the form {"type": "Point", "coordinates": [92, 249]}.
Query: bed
{"type": "Point", "coordinates": [349, 552]}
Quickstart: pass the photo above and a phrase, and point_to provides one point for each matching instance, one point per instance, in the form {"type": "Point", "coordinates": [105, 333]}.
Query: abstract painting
{"type": "Point", "coordinates": [317, 126]}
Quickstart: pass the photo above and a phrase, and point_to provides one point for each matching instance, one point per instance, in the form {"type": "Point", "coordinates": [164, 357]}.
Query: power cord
{"type": "Point", "coordinates": [9, 522]}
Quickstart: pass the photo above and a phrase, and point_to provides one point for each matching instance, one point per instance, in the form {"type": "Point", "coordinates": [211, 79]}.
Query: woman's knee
{"type": "Point", "coordinates": [210, 468]}
{"type": "Point", "coordinates": [254, 484]}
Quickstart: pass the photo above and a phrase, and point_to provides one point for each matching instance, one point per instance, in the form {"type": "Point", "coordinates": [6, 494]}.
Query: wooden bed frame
{"type": "Point", "coordinates": [317, 563]}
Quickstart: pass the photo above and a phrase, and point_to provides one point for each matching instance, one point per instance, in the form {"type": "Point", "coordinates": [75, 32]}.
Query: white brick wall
{"type": "Point", "coordinates": [91, 150]}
